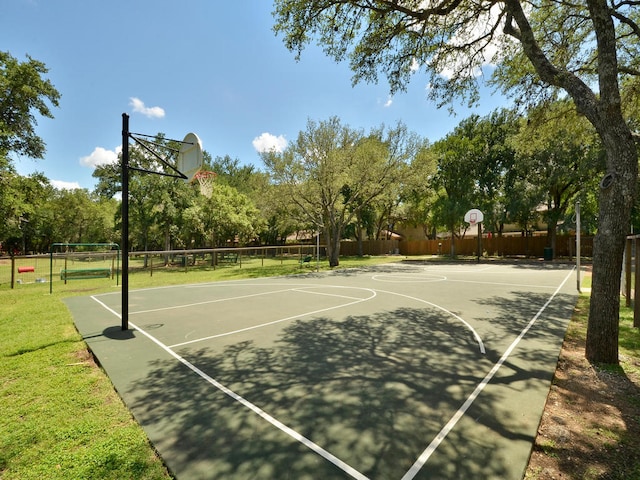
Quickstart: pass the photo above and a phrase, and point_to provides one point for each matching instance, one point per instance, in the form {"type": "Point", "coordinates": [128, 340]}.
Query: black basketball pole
{"type": "Point", "coordinates": [125, 222]}
{"type": "Point", "coordinates": [126, 135]}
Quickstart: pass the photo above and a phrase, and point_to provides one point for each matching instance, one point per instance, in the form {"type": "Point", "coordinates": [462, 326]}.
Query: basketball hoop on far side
{"type": "Point", "coordinates": [473, 217]}
{"type": "Point", "coordinates": [206, 180]}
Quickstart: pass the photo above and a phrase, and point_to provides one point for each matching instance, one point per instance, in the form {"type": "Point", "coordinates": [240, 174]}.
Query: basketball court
{"type": "Point", "coordinates": [399, 371]}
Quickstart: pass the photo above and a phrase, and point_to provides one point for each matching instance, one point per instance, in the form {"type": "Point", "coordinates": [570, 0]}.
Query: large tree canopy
{"type": "Point", "coordinates": [23, 93]}
{"type": "Point", "coordinates": [583, 48]}
{"type": "Point", "coordinates": [332, 172]}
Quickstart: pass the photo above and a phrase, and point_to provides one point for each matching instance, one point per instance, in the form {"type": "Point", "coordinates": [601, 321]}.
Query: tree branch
{"type": "Point", "coordinates": [584, 98]}
{"type": "Point", "coordinates": [635, 28]}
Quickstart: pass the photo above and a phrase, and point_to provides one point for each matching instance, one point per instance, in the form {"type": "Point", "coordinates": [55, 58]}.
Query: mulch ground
{"type": "Point", "coordinates": [590, 428]}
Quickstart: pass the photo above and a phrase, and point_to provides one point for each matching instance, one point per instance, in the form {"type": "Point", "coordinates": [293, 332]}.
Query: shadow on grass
{"type": "Point", "coordinates": [35, 348]}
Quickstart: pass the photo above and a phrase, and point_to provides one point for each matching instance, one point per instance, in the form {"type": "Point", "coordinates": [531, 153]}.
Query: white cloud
{"type": "Point", "coordinates": [100, 156]}
{"type": "Point", "coordinates": [151, 112]}
{"type": "Point", "coordinates": [389, 102]}
{"type": "Point", "coordinates": [62, 185]}
{"type": "Point", "coordinates": [268, 142]}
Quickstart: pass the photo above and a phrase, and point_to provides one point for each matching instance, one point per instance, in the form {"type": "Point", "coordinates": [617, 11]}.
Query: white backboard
{"type": "Point", "coordinates": [190, 158]}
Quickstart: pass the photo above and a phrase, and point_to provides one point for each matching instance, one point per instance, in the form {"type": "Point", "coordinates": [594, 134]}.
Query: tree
{"type": "Point", "coordinates": [419, 195]}
{"type": "Point", "coordinates": [495, 157]}
{"type": "Point", "coordinates": [332, 172]}
{"type": "Point", "coordinates": [273, 222]}
{"type": "Point", "coordinates": [560, 154]}
{"type": "Point", "coordinates": [76, 216]}
{"type": "Point", "coordinates": [581, 48]}
{"type": "Point", "coordinates": [473, 165]}
{"type": "Point", "coordinates": [23, 198]}
{"type": "Point", "coordinates": [156, 202]}
{"type": "Point", "coordinates": [277, 211]}
{"type": "Point", "coordinates": [454, 182]}
{"type": "Point", "coordinates": [224, 218]}
{"type": "Point", "coordinates": [230, 172]}
{"type": "Point", "coordinates": [23, 92]}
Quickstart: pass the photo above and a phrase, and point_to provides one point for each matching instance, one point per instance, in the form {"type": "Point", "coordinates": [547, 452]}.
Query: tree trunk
{"type": "Point", "coordinates": [617, 193]}
{"type": "Point", "coordinates": [145, 243]}
{"type": "Point", "coordinates": [333, 247]}
{"type": "Point", "coordinates": [552, 233]}
{"type": "Point", "coordinates": [334, 258]}
{"type": "Point", "coordinates": [614, 216]}
{"type": "Point", "coordinates": [359, 235]}
{"type": "Point", "coordinates": [333, 228]}
{"type": "Point", "coordinates": [167, 245]}
{"type": "Point", "coordinates": [452, 246]}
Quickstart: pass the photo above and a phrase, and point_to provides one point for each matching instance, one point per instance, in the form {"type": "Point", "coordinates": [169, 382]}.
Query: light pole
{"type": "Point", "coordinates": [578, 244]}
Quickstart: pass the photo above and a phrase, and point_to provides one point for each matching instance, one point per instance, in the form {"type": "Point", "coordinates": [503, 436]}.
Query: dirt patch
{"type": "Point", "coordinates": [590, 427]}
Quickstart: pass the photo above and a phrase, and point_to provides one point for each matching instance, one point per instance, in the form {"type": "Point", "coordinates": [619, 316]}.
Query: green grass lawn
{"type": "Point", "coordinates": [61, 417]}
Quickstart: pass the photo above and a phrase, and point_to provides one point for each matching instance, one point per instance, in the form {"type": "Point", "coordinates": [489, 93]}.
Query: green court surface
{"type": "Point", "coordinates": [399, 371]}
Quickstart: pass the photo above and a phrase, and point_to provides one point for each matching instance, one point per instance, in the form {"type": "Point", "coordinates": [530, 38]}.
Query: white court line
{"type": "Point", "coordinates": [435, 443]}
{"type": "Point", "coordinates": [254, 408]}
{"type": "Point", "coordinates": [408, 277]}
{"type": "Point", "coordinates": [456, 269]}
{"type": "Point", "coordinates": [306, 290]}
{"type": "Point", "coordinates": [526, 285]}
{"type": "Point", "coordinates": [467, 324]}
{"type": "Point", "coordinates": [280, 320]}
{"type": "Point", "coordinates": [106, 307]}
{"type": "Point", "coordinates": [187, 305]}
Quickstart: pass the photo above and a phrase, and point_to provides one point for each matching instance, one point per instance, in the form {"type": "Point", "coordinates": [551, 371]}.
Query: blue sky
{"type": "Point", "coordinates": [206, 66]}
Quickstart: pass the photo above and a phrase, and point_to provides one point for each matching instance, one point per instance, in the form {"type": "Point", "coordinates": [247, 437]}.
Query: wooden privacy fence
{"type": "Point", "coordinates": [495, 246]}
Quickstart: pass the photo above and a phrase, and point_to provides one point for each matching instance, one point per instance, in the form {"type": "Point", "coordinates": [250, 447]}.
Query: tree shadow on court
{"type": "Point", "coordinates": [513, 313]}
{"type": "Point", "coordinates": [538, 265]}
{"type": "Point", "coordinates": [373, 390]}
{"type": "Point", "coordinates": [376, 269]}
{"type": "Point", "coordinates": [544, 336]}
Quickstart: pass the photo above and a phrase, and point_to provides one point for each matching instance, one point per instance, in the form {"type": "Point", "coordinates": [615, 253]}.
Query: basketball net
{"type": "Point", "coordinates": [206, 180]}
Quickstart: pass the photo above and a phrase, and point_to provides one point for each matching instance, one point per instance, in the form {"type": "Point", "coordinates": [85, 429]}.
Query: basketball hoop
{"type": "Point", "coordinates": [190, 157]}
{"type": "Point", "coordinates": [206, 180]}
{"type": "Point", "coordinates": [473, 217]}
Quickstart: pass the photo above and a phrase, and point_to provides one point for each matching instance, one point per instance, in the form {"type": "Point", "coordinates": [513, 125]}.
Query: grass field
{"type": "Point", "coordinates": [47, 272]}
{"type": "Point", "coordinates": [61, 417]}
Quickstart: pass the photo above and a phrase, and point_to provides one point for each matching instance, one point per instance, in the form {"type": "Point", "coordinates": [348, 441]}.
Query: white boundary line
{"type": "Point", "coordinates": [435, 443]}
{"type": "Point", "coordinates": [305, 289]}
{"type": "Point", "coordinates": [526, 285]}
{"type": "Point", "coordinates": [310, 292]}
{"type": "Point", "coordinates": [457, 317]}
{"type": "Point", "coordinates": [456, 268]}
{"type": "Point", "coordinates": [408, 277]}
{"type": "Point", "coordinates": [246, 403]}
{"type": "Point", "coordinates": [280, 320]}
{"type": "Point", "coordinates": [187, 305]}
